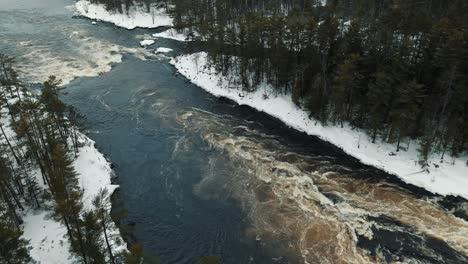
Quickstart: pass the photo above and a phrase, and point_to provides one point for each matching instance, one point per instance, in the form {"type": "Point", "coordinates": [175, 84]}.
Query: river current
{"type": "Point", "coordinates": [202, 176]}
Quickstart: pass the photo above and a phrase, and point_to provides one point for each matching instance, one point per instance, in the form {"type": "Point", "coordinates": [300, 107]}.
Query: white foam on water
{"type": "Point", "coordinates": [89, 57]}
{"type": "Point", "coordinates": [283, 197]}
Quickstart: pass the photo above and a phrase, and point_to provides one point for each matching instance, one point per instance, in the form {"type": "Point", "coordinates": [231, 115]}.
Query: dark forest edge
{"type": "Point", "coordinates": [396, 69]}
{"type": "Point", "coordinates": [46, 139]}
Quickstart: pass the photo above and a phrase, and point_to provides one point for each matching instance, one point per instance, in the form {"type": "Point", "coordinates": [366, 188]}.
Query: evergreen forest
{"type": "Point", "coordinates": [396, 69]}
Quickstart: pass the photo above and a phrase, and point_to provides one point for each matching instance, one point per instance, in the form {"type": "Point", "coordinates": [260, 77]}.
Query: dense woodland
{"type": "Point", "coordinates": [397, 69]}
{"type": "Point", "coordinates": [37, 173]}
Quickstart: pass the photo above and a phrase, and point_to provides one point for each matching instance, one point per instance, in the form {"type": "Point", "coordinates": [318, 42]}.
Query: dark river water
{"type": "Point", "coordinates": [201, 176]}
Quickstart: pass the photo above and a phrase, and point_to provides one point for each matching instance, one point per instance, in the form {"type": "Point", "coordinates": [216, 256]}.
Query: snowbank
{"type": "Point", "coordinates": [449, 177]}
{"type": "Point", "coordinates": [175, 35]}
{"type": "Point", "coordinates": [94, 174]}
{"type": "Point", "coordinates": [94, 171]}
{"type": "Point", "coordinates": [137, 16]}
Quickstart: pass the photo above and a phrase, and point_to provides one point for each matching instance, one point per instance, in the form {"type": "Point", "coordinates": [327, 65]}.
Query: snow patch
{"type": "Point", "coordinates": [48, 239]}
{"type": "Point", "coordinates": [146, 42]}
{"type": "Point", "coordinates": [94, 171]}
{"type": "Point", "coordinates": [163, 50]}
{"type": "Point", "coordinates": [176, 35]}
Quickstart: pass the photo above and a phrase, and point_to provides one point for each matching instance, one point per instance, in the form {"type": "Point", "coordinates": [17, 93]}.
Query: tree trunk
{"type": "Point", "coordinates": [374, 133]}
{"type": "Point", "coordinates": [9, 145]}
{"type": "Point", "coordinates": [69, 230]}
{"type": "Point", "coordinates": [11, 208]}
{"type": "Point", "coordinates": [399, 140]}
{"type": "Point", "coordinates": [104, 228]}
{"type": "Point", "coordinates": [80, 240]}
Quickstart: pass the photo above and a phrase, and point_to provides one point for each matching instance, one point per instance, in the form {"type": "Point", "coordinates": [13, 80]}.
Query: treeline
{"type": "Point", "coordinates": [397, 69]}
{"type": "Point", "coordinates": [39, 143]}
{"type": "Point", "coordinates": [122, 6]}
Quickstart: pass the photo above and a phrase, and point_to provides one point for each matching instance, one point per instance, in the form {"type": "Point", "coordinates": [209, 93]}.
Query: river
{"type": "Point", "coordinates": [202, 176]}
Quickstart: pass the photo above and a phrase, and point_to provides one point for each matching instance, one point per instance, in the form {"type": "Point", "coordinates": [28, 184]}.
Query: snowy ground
{"type": "Point", "coordinates": [450, 177]}
{"type": "Point", "coordinates": [48, 238]}
{"type": "Point", "coordinates": [136, 16]}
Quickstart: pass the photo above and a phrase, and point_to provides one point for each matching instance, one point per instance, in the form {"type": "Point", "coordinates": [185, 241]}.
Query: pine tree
{"type": "Point", "coordinates": [54, 106]}
{"type": "Point", "coordinates": [13, 249]}
{"type": "Point", "coordinates": [408, 99]}
{"type": "Point", "coordinates": [67, 196]}
{"type": "Point", "coordinates": [380, 97]}
{"type": "Point", "coordinates": [75, 119]}
{"type": "Point", "coordinates": [92, 237]}
{"type": "Point", "coordinates": [418, 47]}
{"type": "Point", "coordinates": [348, 82]}
{"type": "Point", "coordinates": [8, 195]}
{"type": "Point", "coordinates": [102, 204]}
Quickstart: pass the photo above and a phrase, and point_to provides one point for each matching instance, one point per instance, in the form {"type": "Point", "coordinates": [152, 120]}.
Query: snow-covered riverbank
{"type": "Point", "coordinates": [448, 177]}
{"type": "Point", "coordinates": [136, 16]}
{"type": "Point", "coordinates": [48, 239]}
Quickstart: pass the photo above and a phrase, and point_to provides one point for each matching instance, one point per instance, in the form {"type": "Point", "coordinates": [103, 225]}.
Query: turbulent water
{"type": "Point", "coordinates": [201, 176]}
{"type": "Point", "coordinates": [318, 209]}
{"type": "Point", "coordinates": [46, 41]}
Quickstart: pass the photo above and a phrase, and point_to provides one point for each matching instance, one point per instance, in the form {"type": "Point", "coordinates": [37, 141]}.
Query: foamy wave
{"type": "Point", "coordinates": [86, 57]}
{"type": "Point", "coordinates": [286, 196]}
